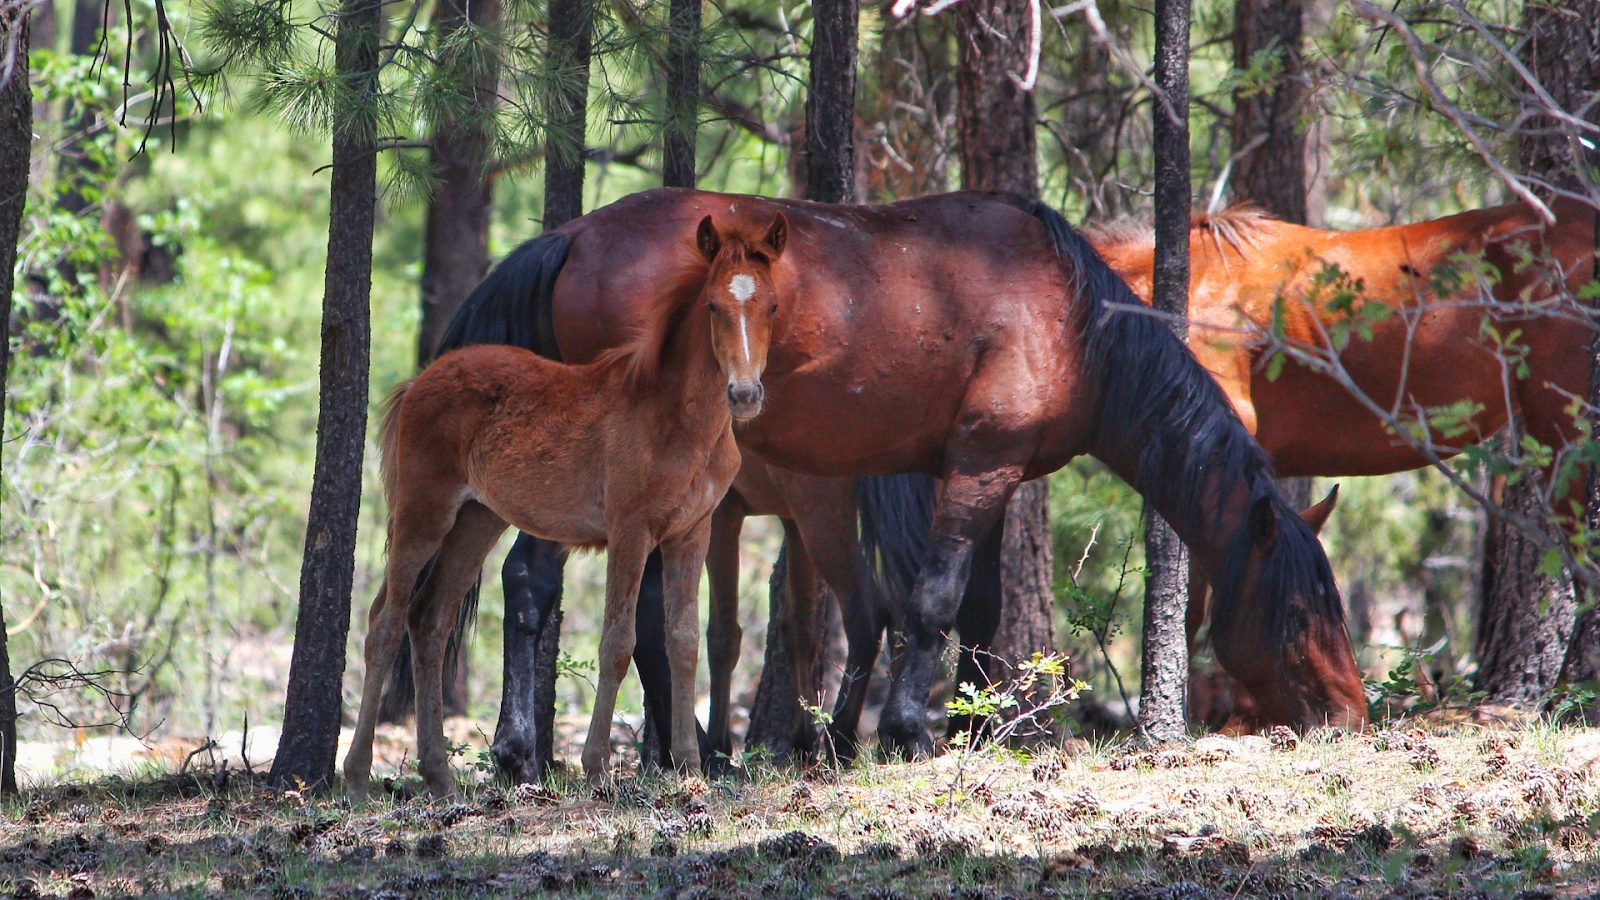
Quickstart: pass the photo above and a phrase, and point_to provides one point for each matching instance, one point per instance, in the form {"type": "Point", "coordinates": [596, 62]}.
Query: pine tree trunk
{"type": "Point", "coordinates": [567, 67]}
{"type": "Point", "coordinates": [831, 103]}
{"type": "Point", "coordinates": [16, 139]}
{"type": "Point", "coordinates": [316, 671]}
{"type": "Point", "coordinates": [1164, 690]}
{"type": "Point", "coordinates": [830, 167]}
{"type": "Point", "coordinates": [1270, 169]}
{"type": "Point", "coordinates": [683, 94]}
{"type": "Point", "coordinates": [995, 120]}
{"type": "Point", "coordinates": [1528, 619]}
{"type": "Point", "coordinates": [455, 257]}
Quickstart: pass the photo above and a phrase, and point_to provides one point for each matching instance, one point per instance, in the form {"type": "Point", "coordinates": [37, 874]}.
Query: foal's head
{"type": "Point", "coordinates": [739, 292]}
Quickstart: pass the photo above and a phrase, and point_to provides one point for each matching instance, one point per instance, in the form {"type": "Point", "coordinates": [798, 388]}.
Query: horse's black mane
{"type": "Point", "coordinates": [1159, 406]}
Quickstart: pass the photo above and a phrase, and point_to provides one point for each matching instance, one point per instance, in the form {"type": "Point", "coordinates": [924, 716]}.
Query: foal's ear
{"type": "Point", "coordinates": [708, 240]}
{"type": "Point", "coordinates": [777, 235]}
{"type": "Point", "coordinates": [1263, 522]}
{"type": "Point", "coordinates": [1316, 515]}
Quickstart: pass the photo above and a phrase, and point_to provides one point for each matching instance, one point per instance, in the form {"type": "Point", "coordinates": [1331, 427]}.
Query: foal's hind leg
{"type": "Point", "coordinates": [413, 542]}
{"type": "Point", "coordinates": [432, 615]}
{"type": "Point", "coordinates": [681, 563]}
{"type": "Point", "coordinates": [723, 633]}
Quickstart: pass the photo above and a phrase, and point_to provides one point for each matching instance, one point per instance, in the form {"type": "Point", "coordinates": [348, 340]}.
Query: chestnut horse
{"type": "Point", "coordinates": [978, 338]}
{"type": "Point", "coordinates": [1430, 350]}
{"type": "Point", "coordinates": [629, 452]}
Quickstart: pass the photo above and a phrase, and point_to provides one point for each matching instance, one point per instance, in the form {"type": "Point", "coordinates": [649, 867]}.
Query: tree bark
{"type": "Point", "coordinates": [1163, 694]}
{"type": "Point", "coordinates": [830, 167]}
{"type": "Point", "coordinates": [995, 122]}
{"type": "Point", "coordinates": [16, 140]}
{"type": "Point", "coordinates": [1528, 619]}
{"type": "Point", "coordinates": [831, 103]}
{"type": "Point", "coordinates": [683, 94]}
{"type": "Point", "coordinates": [567, 106]}
{"type": "Point", "coordinates": [455, 257]}
{"type": "Point", "coordinates": [312, 710]}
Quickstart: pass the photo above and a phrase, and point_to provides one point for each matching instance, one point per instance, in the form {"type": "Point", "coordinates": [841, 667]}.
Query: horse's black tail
{"type": "Point", "coordinates": [896, 514]}
{"type": "Point", "coordinates": [511, 305]}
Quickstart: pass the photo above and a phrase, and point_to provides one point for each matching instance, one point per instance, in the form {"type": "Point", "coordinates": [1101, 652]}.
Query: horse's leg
{"type": "Point", "coordinates": [800, 635]}
{"type": "Point", "coordinates": [625, 559]}
{"type": "Point", "coordinates": [681, 563]}
{"type": "Point", "coordinates": [650, 659]}
{"type": "Point", "coordinates": [532, 579]}
{"type": "Point", "coordinates": [826, 520]}
{"type": "Point", "coordinates": [977, 620]}
{"type": "Point", "coordinates": [414, 538]}
{"type": "Point", "coordinates": [724, 636]}
{"type": "Point", "coordinates": [431, 617]}
{"type": "Point", "coordinates": [971, 505]}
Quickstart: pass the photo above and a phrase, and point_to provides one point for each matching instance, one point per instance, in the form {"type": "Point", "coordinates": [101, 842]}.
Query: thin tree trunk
{"type": "Point", "coordinates": [16, 139]}
{"type": "Point", "coordinates": [567, 67]}
{"type": "Point", "coordinates": [831, 103]}
{"type": "Point", "coordinates": [1528, 619]}
{"type": "Point", "coordinates": [312, 710]}
{"type": "Point", "coordinates": [830, 177]}
{"type": "Point", "coordinates": [995, 121]}
{"type": "Point", "coordinates": [683, 94]}
{"type": "Point", "coordinates": [1270, 168]}
{"type": "Point", "coordinates": [1164, 688]}
{"type": "Point", "coordinates": [455, 257]}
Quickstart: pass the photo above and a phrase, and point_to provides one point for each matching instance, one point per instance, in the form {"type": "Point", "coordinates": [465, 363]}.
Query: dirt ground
{"type": "Point", "coordinates": [1405, 814]}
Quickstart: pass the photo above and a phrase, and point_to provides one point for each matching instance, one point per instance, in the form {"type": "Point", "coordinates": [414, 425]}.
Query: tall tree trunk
{"type": "Point", "coordinates": [1165, 648]}
{"type": "Point", "coordinates": [566, 105]}
{"type": "Point", "coordinates": [830, 177]}
{"type": "Point", "coordinates": [1270, 165]}
{"type": "Point", "coordinates": [683, 94]}
{"type": "Point", "coordinates": [16, 139]}
{"type": "Point", "coordinates": [455, 257]}
{"type": "Point", "coordinates": [316, 671]}
{"type": "Point", "coordinates": [995, 120]}
{"type": "Point", "coordinates": [1528, 619]}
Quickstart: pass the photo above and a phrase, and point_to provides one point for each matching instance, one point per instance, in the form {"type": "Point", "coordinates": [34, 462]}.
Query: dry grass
{"type": "Point", "coordinates": [1462, 812]}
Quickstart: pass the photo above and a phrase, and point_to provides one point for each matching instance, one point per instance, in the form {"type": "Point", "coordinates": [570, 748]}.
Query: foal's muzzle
{"type": "Point", "coordinates": [744, 399]}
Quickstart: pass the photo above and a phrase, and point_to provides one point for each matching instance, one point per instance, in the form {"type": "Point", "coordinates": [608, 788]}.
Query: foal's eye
{"type": "Point", "coordinates": [774, 308]}
{"type": "Point", "coordinates": [711, 306]}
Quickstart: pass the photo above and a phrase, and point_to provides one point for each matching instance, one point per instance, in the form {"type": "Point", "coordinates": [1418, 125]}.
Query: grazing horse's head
{"type": "Point", "coordinates": [1280, 591]}
{"type": "Point", "coordinates": [739, 293]}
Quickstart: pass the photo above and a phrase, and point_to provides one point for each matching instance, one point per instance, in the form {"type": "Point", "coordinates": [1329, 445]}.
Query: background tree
{"type": "Point", "coordinates": [455, 243]}
{"type": "Point", "coordinates": [1529, 616]}
{"type": "Point", "coordinates": [1269, 133]}
{"type": "Point", "coordinates": [830, 177]}
{"type": "Point", "coordinates": [683, 94]}
{"type": "Point", "coordinates": [16, 140]}
{"type": "Point", "coordinates": [1165, 650]}
{"type": "Point", "coordinates": [315, 700]}
{"type": "Point", "coordinates": [996, 123]}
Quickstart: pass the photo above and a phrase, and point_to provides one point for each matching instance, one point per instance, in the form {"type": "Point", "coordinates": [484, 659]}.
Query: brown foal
{"type": "Point", "coordinates": [631, 451]}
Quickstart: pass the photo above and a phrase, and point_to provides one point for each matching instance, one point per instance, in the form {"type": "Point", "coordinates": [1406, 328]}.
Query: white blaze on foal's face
{"type": "Point", "coordinates": [740, 296]}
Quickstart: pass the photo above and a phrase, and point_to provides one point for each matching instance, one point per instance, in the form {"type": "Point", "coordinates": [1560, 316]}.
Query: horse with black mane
{"type": "Point", "coordinates": [979, 339]}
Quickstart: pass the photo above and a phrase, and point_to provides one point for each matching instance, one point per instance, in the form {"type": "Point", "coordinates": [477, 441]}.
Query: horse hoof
{"type": "Point", "coordinates": [516, 760]}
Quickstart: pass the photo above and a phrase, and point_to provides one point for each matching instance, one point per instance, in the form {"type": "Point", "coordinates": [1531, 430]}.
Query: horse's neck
{"type": "Point", "coordinates": [690, 385]}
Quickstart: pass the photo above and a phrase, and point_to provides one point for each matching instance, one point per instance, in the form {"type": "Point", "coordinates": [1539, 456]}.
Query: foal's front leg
{"type": "Point", "coordinates": [682, 560]}
{"type": "Point", "coordinates": [971, 505]}
{"type": "Point", "coordinates": [625, 559]}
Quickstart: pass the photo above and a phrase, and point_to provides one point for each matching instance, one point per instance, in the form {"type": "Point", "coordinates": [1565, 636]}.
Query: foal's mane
{"type": "Point", "coordinates": [669, 309]}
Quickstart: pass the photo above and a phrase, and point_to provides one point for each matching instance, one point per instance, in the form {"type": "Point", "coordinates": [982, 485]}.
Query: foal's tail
{"type": "Point", "coordinates": [388, 430]}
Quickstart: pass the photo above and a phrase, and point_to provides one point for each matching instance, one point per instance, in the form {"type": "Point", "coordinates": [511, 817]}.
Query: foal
{"type": "Point", "coordinates": [629, 452]}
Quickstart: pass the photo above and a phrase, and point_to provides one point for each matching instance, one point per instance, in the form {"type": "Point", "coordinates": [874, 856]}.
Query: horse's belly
{"type": "Point", "coordinates": [567, 514]}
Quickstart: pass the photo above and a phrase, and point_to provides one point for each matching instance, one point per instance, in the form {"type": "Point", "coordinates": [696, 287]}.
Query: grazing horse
{"type": "Point", "coordinates": [629, 452]}
{"type": "Point", "coordinates": [1429, 350]}
{"type": "Point", "coordinates": [977, 338]}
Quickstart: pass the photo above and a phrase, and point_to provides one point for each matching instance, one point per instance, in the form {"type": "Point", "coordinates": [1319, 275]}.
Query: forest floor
{"type": "Point", "coordinates": [1445, 812]}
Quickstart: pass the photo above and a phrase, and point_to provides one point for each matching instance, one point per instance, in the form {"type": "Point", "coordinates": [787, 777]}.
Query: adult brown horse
{"type": "Point", "coordinates": [1430, 349]}
{"type": "Point", "coordinates": [975, 337]}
